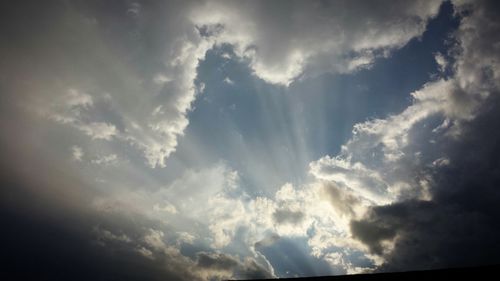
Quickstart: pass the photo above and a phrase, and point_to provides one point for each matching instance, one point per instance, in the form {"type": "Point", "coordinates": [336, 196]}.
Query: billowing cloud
{"type": "Point", "coordinates": [152, 99]}
{"type": "Point", "coordinates": [412, 189]}
{"type": "Point", "coordinates": [282, 43]}
{"type": "Point", "coordinates": [414, 165]}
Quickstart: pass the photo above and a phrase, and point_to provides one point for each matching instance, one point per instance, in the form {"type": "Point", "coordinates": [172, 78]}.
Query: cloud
{"type": "Point", "coordinates": [82, 73]}
{"type": "Point", "coordinates": [73, 109]}
{"type": "Point", "coordinates": [280, 45]}
{"type": "Point", "coordinates": [83, 243]}
{"type": "Point", "coordinates": [412, 182]}
{"type": "Point", "coordinates": [431, 162]}
{"type": "Point", "coordinates": [226, 266]}
{"type": "Point", "coordinates": [366, 182]}
{"type": "Point", "coordinates": [441, 61]}
{"type": "Point", "coordinates": [161, 79]}
{"type": "Point", "coordinates": [267, 241]}
{"type": "Point", "coordinates": [107, 235]}
{"type": "Point", "coordinates": [75, 98]}
{"type": "Point", "coordinates": [106, 160]}
{"type": "Point", "coordinates": [98, 130]}
{"type": "Point", "coordinates": [382, 161]}
{"type": "Point", "coordinates": [283, 43]}
{"type": "Point", "coordinates": [252, 224]}
{"type": "Point", "coordinates": [154, 239]}
{"type": "Point", "coordinates": [287, 216]}
{"type": "Point", "coordinates": [77, 153]}
{"type": "Point", "coordinates": [372, 234]}
{"type": "Point", "coordinates": [228, 81]}
{"type": "Point", "coordinates": [344, 202]}
{"type": "Point", "coordinates": [167, 207]}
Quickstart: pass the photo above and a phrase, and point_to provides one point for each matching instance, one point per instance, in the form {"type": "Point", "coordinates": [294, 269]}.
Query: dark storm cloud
{"type": "Point", "coordinates": [372, 234]}
{"type": "Point", "coordinates": [459, 225]}
{"type": "Point", "coordinates": [247, 269]}
{"type": "Point", "coordinates": [56, 235]}
{"type": "Point", "coordinates": [51, 235]}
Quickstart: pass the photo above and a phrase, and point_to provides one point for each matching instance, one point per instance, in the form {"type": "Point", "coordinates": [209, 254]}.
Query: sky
{"type": "Point", "coordinates": [212, 140]}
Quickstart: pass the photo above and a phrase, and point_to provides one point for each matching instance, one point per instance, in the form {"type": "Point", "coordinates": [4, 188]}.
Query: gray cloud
{"type": "Point", "coordinates": [342, 200]}
{"type": "Point", "coordinates": [116, 76]}
{"type": "Point", "coordinates": [121, 49]}
{"type": "Point", "coordinates": [248, 269]}
{"type": "Point", "coordinates": [288, 216]}
{"type": "Point", "coordinates": [267, 241]}
{"type": "Point", "coordinates": [456, 224]}
{"type": "Point", "coordinates": [49, 237]}
{"type": "Point", "coordinates": [284, 40]}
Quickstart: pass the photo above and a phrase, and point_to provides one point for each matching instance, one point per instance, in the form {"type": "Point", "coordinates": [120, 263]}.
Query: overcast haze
{"type": "Point", "coordinates": [207, 140]}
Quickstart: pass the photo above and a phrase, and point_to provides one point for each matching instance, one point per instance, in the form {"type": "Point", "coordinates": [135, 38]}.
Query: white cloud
{"type": "Point", "coordinates": [106, 160]}
{"type": "Point", "coordinates": [392, 157]}
{"type": "Point", "coordinates": [312, 35]}
{"type": "Point", "coordinates": [373, 168]}
{"type": "Point", "coordinates": [278, 52]}
{"type": "Point", "coordinates": [375, 162]}
{"type": "Point", "coordinates": [185, 237]}
{"type": "Point", "coordinates": [165, 207]}
{"type": "Point", "coordinates": [72, 109]}
{"type": "Point", "coordinates": [154, 239]}
{"type": "Point", "coordinates": [75, 98]}
{"type": "Point", "coordinates": [300, 210]}
{"type": "Point", "coordinates": [213, 206]}
{"type": "Point", "coordinates": [77, 153]}
{"type": "Point", "coordinates": [441, 62]}
{"type": "Point", "coordinates": [156, 133]}
{"type": "Point", "coordinates": [306, 38]}
{"type": "Point", "coordinates": [99, 130]}
{"type": "Point", "coordinates": [355, 176]}
{"type": "Point", "coordinates": [161, 79]}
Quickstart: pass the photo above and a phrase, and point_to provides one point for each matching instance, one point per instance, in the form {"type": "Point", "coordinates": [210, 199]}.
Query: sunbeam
{"type": "Point", "coordinates": [216, 140]}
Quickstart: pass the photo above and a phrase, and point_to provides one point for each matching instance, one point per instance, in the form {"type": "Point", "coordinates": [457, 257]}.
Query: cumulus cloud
{"type": "Point", "coordinates": [282, 43]}
{"type": "Point", "coordinates": [267, 47]}
{"type": "Point", "coordinates": [409, 161]}
{"type": "Point", "coordinates": [211, 204]}
{"type": "Point", "coordinates": [252, 224]}
{"type": "Point", "coordinates": [383, 160]}
{"type": "Point", "coordinates": [390, 194]}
